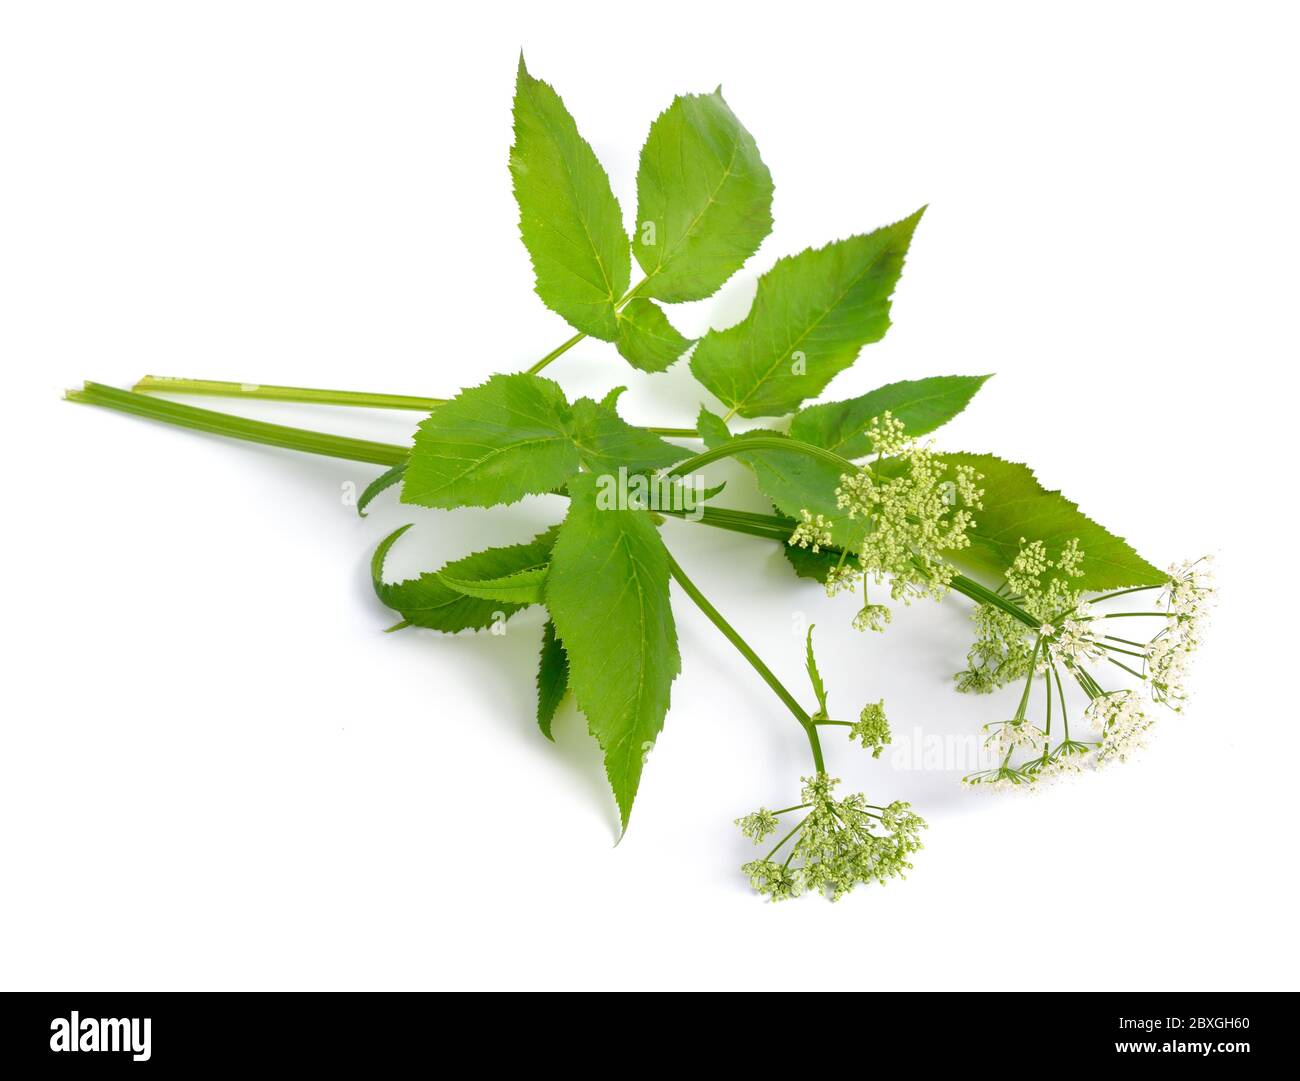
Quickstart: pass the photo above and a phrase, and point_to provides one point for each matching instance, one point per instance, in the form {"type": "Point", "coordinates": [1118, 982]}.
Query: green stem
{"type": "Point", "coordinates": [1122, 593]}
{"type": "Point", "coordinates": [968, 587]}
{"type": "Point", "coordinates": [679, 433]}
{"type": "Point", "coordinates": [1060, 697]}
{"type": "Point", "coordinates": [777, 847]}
{"type": "Point", "coordinates": [777, 528]}
{"type": "Point", "coordinates": [1086, 681]}
{"type": "Point", "coordinates": [1120, 664]}
{"type": "Point", "coordinates": [761, 525]}
{"type": "Point", "coordinates": [558, 351]}
{"type": "Point", "coordinates": [252, 431]}
{"type": "Point", "coordinates": [733, 447]}
{"type": "Point", "coordinates": [364, 399]}
{"type": "Point", "coordinates": [742, 521]}
{"type": "Point", "coordinates": [1029, 680]}
{"type": "Point", "coordinates": [1120, 649]}
{"type": "Point", "coordinates": [266, 391]}
{"type": "Point", "coordinates": [755, 662]}
{"type": "Point", "coordinates": [256, 431]}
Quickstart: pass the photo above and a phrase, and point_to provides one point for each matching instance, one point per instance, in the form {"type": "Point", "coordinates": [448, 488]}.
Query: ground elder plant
{"type": "Point", "coordinates": [860, 501]}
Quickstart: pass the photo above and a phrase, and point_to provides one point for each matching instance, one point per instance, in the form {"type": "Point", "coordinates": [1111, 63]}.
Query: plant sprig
{"type": "Point", "coordinates": [858, 501]}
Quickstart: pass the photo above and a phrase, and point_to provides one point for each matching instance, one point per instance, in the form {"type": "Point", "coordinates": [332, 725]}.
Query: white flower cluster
{"type": "Point", "coordinates": [1025, 577]}
{"type": "Point", "coordinates": [842, 579]}
{"type": "Point", "coordinates": [917, 509]}
{"type": "Point", "coordinates": [888, 435]}
{"type": "Point", "coordinates": [811, 531]}
{"type": "Point", "coordinates": [1122, 722]}
{"type": "Point", "coordinates": [1187, 599]}
{"type": "Point", "coordinates": [1004, 649]}
{"type": "Point", "coordinates": [1007, 736]}
{"type": "Point", "coordinates": [1072, 636]}
{"type": "Point", "coordinates": [872, 728]}
{"type": "Point", "coordinates": [838, 845]}
{"type": "Point", "coordinates": [1076, 641]}
{"type": "Point", "coordinates": [872, 617]}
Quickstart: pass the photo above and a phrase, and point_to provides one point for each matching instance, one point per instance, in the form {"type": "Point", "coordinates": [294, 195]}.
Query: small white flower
{"type": "Point", "coordinates": [888, 435]}
{"type": "Point", "coordinates": [1004, 736]}
{"type": "Point", "coordinates": [1191, 591]}
{"type": "Point", "coordinates": [872, 617]}
{"type": "Point", "coordinates": [1026, 570]}
{"type": "Point", "coordinates": [1188, 599]}
{"type": "Point", "coordinates": [842, 579]}
{"type": "Point", "coordinates": [812, 531]}
{"type": "Point", "coordinates": [1120, 719]}
{"type": "Point", "coordinates": [1077, 639]}
{"type": "Point", "coordinates": [1168, 660]}
{"type": "Point", "coordinates": [916, 513]}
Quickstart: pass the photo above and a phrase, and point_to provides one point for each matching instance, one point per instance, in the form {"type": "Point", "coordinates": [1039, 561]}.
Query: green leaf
{"type": "Point", "coordinates": [492, 444]}
{"type": "Point", "coordinates": [809, 564]}
{"type": "Point", "coordinates": [794, 482]}
{"type": "Point", "coordinates": [552, 679]}
{"type": "Point", "coordinates": [704, 199]}
{"type": "Point", "coordinates": [812, 314]}
{"type": "Point", "coordinates": [921, 404]}
{"type": "Point", "coordinates": [712, 428]}
{"type": "Point", "coordinates": [819, 688]}
{"type": "Point", "coordinates": [381, 483]}
{"type": "Point", "coordinates": [523, 587]}
{"type": "Point", "coordinates": [605, 441]}
{"type": "Point", "coordinates": [646, 339]}
{"type": "Point", "coordinates": [428, 601]}
{"type": "Point", "coordinates": [570, 221]}
{"type": "Point", "coordinates": [1017, 506]}
{"type": "Point", "coordinates": [607, 593]}
{"type": "Point", "coordinates": [516, 435]}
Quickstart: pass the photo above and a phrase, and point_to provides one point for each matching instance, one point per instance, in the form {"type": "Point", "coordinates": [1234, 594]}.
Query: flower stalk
{"type": "Point", "coordinates": [755, 661]}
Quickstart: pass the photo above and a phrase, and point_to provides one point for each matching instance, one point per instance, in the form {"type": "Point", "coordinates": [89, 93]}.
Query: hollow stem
{"type": "Point", "coordinates": [271, 392]}
{"type": "Point", "coordinates": [166, 384]}
{"type": "Point", "coordinates": [233, 427]}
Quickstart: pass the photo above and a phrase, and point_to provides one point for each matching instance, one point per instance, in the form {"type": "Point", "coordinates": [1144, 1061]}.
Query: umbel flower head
{"type": "Point", "coordinates": [1187, 602]}
{"type": "Point", "coordinates": [836, 844]}
{"type": "Point", "coordinates": [872, 728]}
{"type": "Point", "coordinates": [1057, 630]}
{"type": "Point", "coordinates": [1013, 735]}
{"type": "Point", "coordinates": [1001, 653]}
{"type": "Point", "coordinates": [812, 532]}
{"type": "Point", "coordinates": [1004, 647]}
{"type": "Point", "coordinates": [758, 825]}
{"type": "Point", "coordinates": [915, 509]}
{"type": "Point", "coordinates": [1121, 721]}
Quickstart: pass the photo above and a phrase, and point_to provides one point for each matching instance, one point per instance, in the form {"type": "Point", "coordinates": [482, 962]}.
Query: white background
{"type": "Point", "coordinates": [217, 772]}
